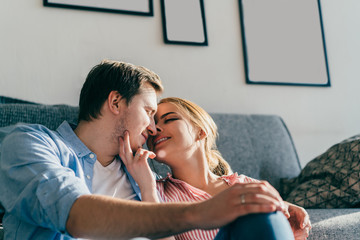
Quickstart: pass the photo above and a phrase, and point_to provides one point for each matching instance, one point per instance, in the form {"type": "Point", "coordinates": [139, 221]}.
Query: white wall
{"type": "Point", "coordinates": [46, 53]}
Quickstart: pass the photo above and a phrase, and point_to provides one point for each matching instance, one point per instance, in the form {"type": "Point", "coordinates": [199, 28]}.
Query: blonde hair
{"type": "Point", "coordinates": [200, 118]}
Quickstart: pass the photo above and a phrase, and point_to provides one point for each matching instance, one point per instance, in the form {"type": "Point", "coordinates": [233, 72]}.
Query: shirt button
{"type": "Point", "coordinates": [92, 156]}
{"type": "Point", "coordinates": [88, 176]}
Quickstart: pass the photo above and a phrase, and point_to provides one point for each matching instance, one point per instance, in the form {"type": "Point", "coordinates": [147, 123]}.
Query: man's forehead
{"type": "Point", "coordinates": [148, 89]}
{"type": "Point", "coordinates": [149, 97]}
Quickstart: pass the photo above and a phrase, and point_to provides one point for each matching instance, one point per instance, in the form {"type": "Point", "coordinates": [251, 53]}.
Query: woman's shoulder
{"type": "Point", "coordinates": [164, 179]}
{"type": "Point", "coordinates": [236, 178]}
{"type": "Point", "coordinates": [165, 182]}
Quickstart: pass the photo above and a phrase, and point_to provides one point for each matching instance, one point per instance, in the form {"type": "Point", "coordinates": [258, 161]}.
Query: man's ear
{"type": "Point", "coordinates": [115, 102]}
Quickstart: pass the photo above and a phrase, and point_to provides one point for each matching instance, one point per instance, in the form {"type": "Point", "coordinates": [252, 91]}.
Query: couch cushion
{"type": "Point", "coordinates": [4, 100]}
{"type": "Point", "coordinates": [334, 223]}
{"type": "Point", "coordinates": [258, 146]}
{"type": "Point", "coordinates": [49, 115]}
{"type": "Point", "coordinates": [329, 181]}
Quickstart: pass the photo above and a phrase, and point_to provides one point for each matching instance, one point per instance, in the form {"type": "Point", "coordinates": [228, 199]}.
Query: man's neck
{"type": "Point", "coordinates": [97, 138]}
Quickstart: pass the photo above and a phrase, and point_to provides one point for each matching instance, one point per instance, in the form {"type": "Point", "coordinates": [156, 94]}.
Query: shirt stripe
{"type": "Point", "coordinates": [175, 190]}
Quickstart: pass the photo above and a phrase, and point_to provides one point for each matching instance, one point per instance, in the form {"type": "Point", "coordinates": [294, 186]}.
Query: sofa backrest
{"type": "Point", "coordinates": [259, 146]}
{"type": "Point", "coordinates": [50, 116]}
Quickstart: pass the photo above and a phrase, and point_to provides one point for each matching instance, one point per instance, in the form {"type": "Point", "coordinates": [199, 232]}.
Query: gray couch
{"type": "Point", "coordinates": [259, 146]}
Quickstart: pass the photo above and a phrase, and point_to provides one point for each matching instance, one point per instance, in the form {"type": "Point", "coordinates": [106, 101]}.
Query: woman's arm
{"type": "Point", "coordinates": [139, 168]}
{"type": "Point", "coordinates": [299, 221]}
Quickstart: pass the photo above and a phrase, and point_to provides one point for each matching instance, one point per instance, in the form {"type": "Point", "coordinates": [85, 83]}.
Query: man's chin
{"type": "Point", "coordinates": [135, 148]}
{"type": "Point", "coordinates": [137, 144]}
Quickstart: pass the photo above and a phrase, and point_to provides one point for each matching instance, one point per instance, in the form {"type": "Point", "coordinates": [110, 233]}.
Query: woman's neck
{"type": "Point", "coordinates": [196, 172]}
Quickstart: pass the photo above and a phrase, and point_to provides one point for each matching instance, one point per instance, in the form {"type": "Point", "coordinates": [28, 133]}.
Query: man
{"type": "Point", "coordinates": [47, 178]}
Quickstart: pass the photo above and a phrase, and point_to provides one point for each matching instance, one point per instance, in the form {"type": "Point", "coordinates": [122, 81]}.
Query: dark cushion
{"type": "Point", "coordinates": [332, 180]}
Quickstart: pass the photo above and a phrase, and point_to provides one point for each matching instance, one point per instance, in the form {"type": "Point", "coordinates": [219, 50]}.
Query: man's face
{"type": "Point", "coordinates": [138, 117]}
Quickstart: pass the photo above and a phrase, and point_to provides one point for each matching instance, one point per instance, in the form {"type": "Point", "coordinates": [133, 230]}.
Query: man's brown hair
{"type": "Point", "coordinates": [109, 76]}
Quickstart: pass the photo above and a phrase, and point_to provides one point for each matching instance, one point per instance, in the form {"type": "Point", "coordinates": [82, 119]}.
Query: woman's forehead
{"type": "Point", "coordinates": [166, 107]}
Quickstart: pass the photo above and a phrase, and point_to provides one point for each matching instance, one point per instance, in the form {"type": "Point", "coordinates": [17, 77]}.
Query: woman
{"type": "Point", "coordinates": [185, 141]}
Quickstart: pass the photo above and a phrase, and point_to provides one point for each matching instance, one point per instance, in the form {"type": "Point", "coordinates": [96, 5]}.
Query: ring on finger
{"type": "Point", "coordinates": [137, 155]}
{"type": "Point", "coordinates": [243, 199]}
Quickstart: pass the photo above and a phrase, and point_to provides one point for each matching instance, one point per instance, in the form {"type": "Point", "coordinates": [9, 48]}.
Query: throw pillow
{"type": "Point", "coordinates": [332, 180]}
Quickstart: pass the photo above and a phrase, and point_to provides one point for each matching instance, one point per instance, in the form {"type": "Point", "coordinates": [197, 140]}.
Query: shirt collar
{"type": "Point", "coordinates": [67, 132]}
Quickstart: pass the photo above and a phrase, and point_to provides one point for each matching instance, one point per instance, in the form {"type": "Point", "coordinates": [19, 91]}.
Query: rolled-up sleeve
{"type": "Point", "coordinates": [35, 185]}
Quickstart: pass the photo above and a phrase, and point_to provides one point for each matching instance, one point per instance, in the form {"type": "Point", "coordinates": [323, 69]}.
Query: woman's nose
{"type": "Point", "coordinates": [158, 128]}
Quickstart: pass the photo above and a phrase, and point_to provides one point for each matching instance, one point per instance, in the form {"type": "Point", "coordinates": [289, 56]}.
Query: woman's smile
{"type": "Point", "coordinates": [160, 140]}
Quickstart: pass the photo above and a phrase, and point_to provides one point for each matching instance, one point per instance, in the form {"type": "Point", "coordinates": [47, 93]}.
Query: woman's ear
{"type": "Point", "coordinates": [114, 102]}
{"type": "Point", "coordinates": [201, 134]}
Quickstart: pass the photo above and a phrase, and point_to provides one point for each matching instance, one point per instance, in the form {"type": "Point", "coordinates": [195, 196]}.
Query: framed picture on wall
{"type": "Point", "coordinates": [136, 7]}
{"type": "Point", "coordinates": [284, 43]}
{"type": "Point", "coordinates": [184, 22]}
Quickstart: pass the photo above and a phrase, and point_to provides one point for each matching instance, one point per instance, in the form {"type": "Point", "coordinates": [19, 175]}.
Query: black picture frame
{"type": "Point", "coordinates": [315, 64]}
{"type": "Point", "coordinates": [141, 7]}
{"type": "Point", "coordinates": [184, 22]}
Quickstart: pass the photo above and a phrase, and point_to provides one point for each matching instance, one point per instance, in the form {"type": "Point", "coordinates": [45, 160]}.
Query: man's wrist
{"type": "Point", "coordinates": [191, 216]}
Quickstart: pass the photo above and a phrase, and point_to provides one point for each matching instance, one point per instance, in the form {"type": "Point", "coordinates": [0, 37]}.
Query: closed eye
{"type": "Point", "coordinates": [170, 119]}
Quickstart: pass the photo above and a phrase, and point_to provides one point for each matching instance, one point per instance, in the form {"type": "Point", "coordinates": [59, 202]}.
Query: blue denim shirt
{"type": "Point", "coordinates": [42, 173]}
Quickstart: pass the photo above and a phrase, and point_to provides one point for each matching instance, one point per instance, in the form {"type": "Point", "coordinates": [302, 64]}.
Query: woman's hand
{"type": "Point", "coordinates": [299, 221]}
{"type": "Point", "coordinates": [139, 168]}
{"type": "Point", "coordinates": [276, 195]}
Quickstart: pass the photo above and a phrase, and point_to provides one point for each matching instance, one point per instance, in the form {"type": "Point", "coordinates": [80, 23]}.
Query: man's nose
{"type": "Point", "coordinates": [152, 129]}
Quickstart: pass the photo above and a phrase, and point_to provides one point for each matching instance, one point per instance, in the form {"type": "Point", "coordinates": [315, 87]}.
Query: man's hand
{"type": "Point", "coordinates": [139, 168]}
{"type": "Point", "coordinates": [239, 200]}
{"type": "Point", "coordinates": [299, 221]}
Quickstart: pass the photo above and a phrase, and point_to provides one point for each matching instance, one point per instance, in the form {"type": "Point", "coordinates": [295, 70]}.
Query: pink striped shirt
{"type": "Point", "coordinates": [174, 190]}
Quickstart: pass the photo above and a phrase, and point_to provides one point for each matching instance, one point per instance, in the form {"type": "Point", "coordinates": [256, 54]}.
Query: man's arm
{"type": "Point", "coordinates": [95, 216]}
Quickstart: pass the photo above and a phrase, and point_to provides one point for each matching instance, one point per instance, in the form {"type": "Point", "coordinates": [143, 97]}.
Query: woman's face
{"type": "Point", "coordinates": [176, 135]}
